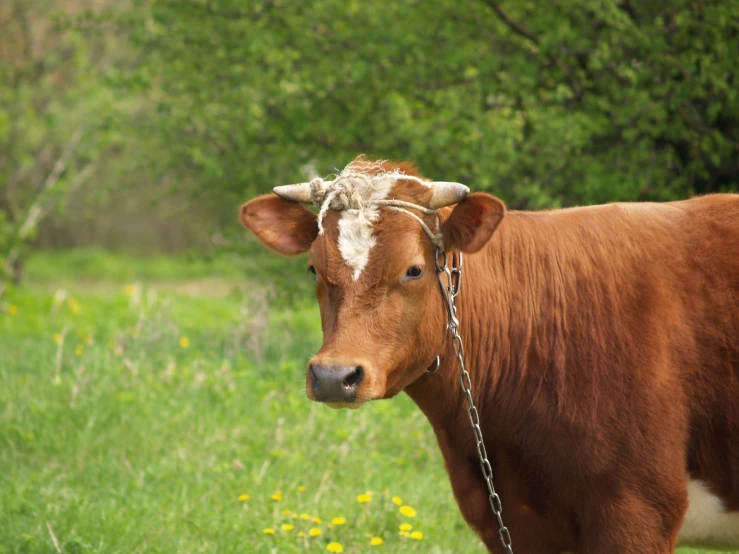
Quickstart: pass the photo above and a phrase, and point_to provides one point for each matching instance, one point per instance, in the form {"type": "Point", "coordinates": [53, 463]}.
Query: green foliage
{"type": "Point", "coordinates": [545, 104]}
{"type": "Point", "coordinates": [175, 111]}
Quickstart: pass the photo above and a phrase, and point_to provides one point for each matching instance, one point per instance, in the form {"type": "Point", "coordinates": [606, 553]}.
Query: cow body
{"type": "Point", "coordinates": [603, 345]}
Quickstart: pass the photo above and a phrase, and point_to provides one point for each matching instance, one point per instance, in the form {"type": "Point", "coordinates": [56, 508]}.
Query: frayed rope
{"type": "Point", "coordinates": [343, 193]}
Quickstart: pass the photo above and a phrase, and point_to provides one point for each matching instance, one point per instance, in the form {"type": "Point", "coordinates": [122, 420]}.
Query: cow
{"type": "Point", "coordinates": [602, 344]}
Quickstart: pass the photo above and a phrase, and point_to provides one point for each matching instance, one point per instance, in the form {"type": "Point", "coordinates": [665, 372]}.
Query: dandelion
{"type": "Point", "coordinates": [12, 310]}
{"type": "Point", "coordinates": [301, 488]}
{"type": "Point", "coordinates": [338, 521]}
{"type": "Point", "coordinates": [277, 496]}
{"type": "Point", "coordinates": [74, 307]}
{"type": "Point", "coordinates": [268, 531]}
{"type": "Point", "coordinates": [129, 290]}
{"type": "Point", "coordinates": [184, 342]}
{"type": "Point", "coordinates": [364, 498]}
{"type": "Point", "coordinates": [244, 497]}
{"type": "Point", "coordinates": [79, 350]}
{"type": "Point", "coordinates": [335, 547]}
{"type": "Point", "coordinates": [317, 520]}
{"type": "Point", "coordinates": [314, 532]}
{"type": "Point", "coordinates": [376, 541]}
{"type": "Point", "coordinates": [416, 535]}
{"type": "Point", "coordinates": [57, 338]}
{"type": "Point", "coordinates": [406, 526]}
{"type": "Point", "coordinates": [285, 512]}
{"type": "Point", "coordinates": [301, 534]}
{"type": "Point", "coordinates": [404, 534]}
{"type": "Point", "coordinates": [287, 527]}
{"type": "Point", "coordinates": [407, 511]}
{"type": "Point", "coordinates": [306, 517]}
{"type": "Point", "coordinates": [88, 338]}
{"type": "Point", "coordinates": [397, 500]}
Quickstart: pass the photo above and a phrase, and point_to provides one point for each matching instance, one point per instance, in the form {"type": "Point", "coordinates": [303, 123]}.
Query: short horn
{"type": "Point", "coordinates": [294, 193]}
{"type": "Point", "coordinates": [446, 194]}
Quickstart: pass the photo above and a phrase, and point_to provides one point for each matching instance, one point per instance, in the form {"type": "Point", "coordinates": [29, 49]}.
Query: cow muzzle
{"type": "Point", "coordinates": [335, 384]}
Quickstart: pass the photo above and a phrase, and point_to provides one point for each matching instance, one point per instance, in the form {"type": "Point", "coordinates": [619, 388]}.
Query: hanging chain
{"type": "Point", "coordinates": [449, 292]}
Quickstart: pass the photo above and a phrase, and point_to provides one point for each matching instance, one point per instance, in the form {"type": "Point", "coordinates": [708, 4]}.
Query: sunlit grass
{"type": "Point", "coordinates": [137, 419]}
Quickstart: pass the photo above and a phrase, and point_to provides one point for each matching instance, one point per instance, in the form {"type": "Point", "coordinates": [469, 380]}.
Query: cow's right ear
{"type": "Point", "coordinates": [472, 222]}
{"type": "Point", "coordinates": [286, 227]}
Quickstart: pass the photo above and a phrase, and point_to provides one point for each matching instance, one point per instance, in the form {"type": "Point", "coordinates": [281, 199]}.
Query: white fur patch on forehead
{"type": "Point", "coordinates": [356, 237]}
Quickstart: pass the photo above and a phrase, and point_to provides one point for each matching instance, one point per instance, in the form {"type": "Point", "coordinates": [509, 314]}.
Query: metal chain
{"type": "Point", "coordinates": [449, 292]}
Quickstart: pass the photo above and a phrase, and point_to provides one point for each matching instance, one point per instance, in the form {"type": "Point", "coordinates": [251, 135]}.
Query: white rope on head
{"type": "Point", "coordinates": [345, 193]}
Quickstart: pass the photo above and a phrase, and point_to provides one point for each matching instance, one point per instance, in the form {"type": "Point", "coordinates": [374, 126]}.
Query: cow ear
{"type": "Point", "coordinates": [286, 227]}
{"type": "Point", "coordinates": [472, 222]}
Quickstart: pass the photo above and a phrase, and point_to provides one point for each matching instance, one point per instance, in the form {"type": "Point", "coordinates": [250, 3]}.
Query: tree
{"type": "Point", "coordinates": [544, 103]}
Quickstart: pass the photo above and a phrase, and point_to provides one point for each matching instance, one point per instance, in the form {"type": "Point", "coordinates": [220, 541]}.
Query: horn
{"type": "Point", "coordinates": [446, 194]}
{"type": "Point", "coordinates": [294, 193]}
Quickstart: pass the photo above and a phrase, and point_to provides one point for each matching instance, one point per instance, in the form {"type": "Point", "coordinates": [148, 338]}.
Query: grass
{"type": "Point", "coordinates": [134, 414]}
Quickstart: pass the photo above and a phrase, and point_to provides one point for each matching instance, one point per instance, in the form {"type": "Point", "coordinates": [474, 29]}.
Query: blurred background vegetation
{"type": "Point", "coordinates": [140, 125]}
{"type": "Point", "coordinates": [152, 355]}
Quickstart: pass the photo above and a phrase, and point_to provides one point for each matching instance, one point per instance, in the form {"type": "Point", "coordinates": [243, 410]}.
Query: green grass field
{"type": "Point", "coordinates": [134, 414]}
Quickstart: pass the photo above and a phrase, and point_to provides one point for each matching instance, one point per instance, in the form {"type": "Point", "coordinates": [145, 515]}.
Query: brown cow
{"type": "Point", "coordinates": [603, 344]}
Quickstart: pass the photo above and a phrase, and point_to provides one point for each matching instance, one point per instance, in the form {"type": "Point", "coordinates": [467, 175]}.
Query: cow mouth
{"type": "Point", "coordinates": [341, 405]}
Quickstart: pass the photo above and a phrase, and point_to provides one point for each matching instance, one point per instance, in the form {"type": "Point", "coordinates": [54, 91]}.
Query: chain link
{"type": "Point", "coordinates": [449, 292]}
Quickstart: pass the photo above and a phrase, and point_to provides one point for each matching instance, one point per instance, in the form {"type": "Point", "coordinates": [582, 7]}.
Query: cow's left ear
{"type": "Point", "coordinates": [286, 227]}
{"type": "Point", "coordinates": [472, 222]}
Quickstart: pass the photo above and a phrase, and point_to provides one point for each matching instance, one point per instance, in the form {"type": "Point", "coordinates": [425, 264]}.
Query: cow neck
{"type": "Point", "coordinates": [497, 325]}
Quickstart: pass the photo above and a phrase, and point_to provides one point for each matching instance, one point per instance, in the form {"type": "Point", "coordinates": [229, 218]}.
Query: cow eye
{"type": "Point", "coordinates": [312, 269]}
{"type": "Point", "coordinates": [414, 272]}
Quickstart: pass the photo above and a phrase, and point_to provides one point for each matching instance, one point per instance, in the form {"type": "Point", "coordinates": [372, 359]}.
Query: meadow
{"type": "Point", "coordinates": [158, 406]}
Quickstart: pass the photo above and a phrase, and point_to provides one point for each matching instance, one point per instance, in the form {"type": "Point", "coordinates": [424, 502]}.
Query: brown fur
{"type": "Point", "coordinates": [603, 345]}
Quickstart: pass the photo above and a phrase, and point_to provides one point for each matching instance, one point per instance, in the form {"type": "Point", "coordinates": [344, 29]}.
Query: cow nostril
{"type": "Point", "coordinates": [354, 378]}
{"type": "Point", "coordinates": [313, 376]}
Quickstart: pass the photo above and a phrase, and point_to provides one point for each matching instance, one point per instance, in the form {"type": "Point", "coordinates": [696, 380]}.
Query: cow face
{"type": "Point", "coordinates": [382, 315]}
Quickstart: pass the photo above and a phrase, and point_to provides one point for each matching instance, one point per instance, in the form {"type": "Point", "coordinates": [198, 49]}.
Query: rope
{"type": "Point", "coordinates": [343, 193]}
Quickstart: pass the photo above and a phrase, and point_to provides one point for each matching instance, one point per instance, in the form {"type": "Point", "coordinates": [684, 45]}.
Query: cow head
{"type": "Point", "coordinates": [382, 315]}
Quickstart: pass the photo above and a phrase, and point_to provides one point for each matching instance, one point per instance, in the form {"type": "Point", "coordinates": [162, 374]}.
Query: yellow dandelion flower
{"type": "Point", "coordinates": [404, 534]}
{"type": "Point", "coordinates": [88, 338]}
{"type": "Point", "coordinates": [277, 496]}
{"type": "Point", "coordinates": [335, 547]}
{"type": "Point", "coordinates": [184, 342]}
{"type": "Point", "coordinates": [314, 532]}
{"type": "Point", "coordinates": [244, 497]}
{"type": "Point", "coordinates": [74, 307]}
{"type": "Point", "coordinates": [317, 520]}
{"type": "Point", "coordinates": [304, 516]}
{"type": "Point", "coordinates": [364, 498]}
{"type": "Point", "coordinates": [57, 338]}
{"type": "Point", "coordinates": [285, 512]}
{"type": "Point", "coordinates": [416, 535]}
{"type": "Point", "coordinates": [12, 310]}
{"type": "Point", "coordinates": [287, 527]}
{"type": "Point", "coordinates": [128, 290]}
{"type": "Point", "coordinates": [301, 488]}
{"type": "Point", "coordinates": [406, 526]}
{"type": "Point", "coordinates": [338, 521]}
{"type": "Point", "coordinates": [376, 541]}
{"type": "Point", "coordinates": [397, 500]}
{"type": "Point", "coordinates": [79, 350]}
{"type": "Point", "coordinates": [268, 531]}
{"type": "Point", "coordinates": [301, 534]}
{"type": "Point", "coordinates": [407, 511]}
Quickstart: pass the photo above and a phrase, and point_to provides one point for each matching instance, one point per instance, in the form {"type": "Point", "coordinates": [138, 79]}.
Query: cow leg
{"type": "Point", "coordinates": [471, 494]}
{"type": "Point", "coordinates": [646, 521]}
